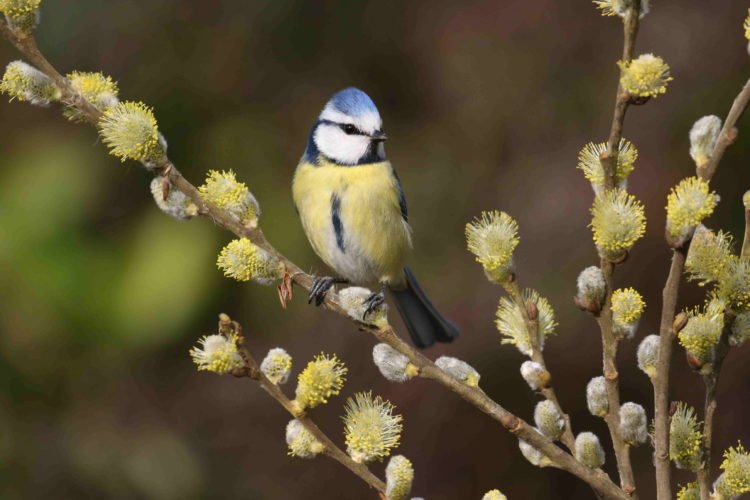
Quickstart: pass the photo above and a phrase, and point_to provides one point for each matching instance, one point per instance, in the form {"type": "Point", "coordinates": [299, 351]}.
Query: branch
{"type": "Point", "coordinates": [227, 327]}
{"type": "Point", "coordinates": [532, 327]}
{"type": "Point", "coordinates": [595, 478]}
{"type": "Point", "coordinates": [669, 306]}
{"type": "Point", "coordinates": [609, 342]}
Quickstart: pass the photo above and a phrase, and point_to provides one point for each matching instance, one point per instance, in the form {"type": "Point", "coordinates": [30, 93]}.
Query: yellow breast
{"type": "Point", "coordinates": [375, 239]}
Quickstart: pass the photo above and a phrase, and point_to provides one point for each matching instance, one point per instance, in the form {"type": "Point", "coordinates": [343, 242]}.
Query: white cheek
{"type": "Point", "coordinates": [340, 147]}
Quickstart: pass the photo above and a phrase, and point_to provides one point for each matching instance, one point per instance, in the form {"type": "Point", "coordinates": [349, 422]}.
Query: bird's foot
{"type": "Point", "coordinates": [319, 288]}
{"type": "Point", "coordinates": [372, 303]}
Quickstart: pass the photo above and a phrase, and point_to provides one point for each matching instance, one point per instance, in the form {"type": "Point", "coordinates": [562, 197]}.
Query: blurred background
{"type": "Point", "coordinates": [487, 104]}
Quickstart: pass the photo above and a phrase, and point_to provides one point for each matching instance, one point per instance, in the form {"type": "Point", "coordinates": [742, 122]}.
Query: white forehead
{"type": "Point", "coordinates": [368, 121]}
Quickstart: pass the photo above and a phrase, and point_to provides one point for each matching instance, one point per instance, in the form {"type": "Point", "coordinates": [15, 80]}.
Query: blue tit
{"type": "Point", "coordinates": [353, 211]}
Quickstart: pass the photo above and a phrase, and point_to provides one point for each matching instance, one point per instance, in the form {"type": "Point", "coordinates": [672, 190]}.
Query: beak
{"type": "Point", "coordinates": [379, 136]}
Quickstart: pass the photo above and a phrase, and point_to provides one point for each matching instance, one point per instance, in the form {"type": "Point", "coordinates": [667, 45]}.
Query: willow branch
{"type": "Point", "coordinates": [595, 478]}
{"type": "Point", "coordinates": [227, 327]}
{"type": "Point", "coordinates": [670, 293]}
{"type": "Point", "coordinates": [532, 328]}
{"type": "Point", "coordinates": [609, 342]}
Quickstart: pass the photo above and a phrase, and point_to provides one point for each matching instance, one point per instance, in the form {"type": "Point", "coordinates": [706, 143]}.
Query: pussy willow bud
{"type": "Point", "coordinates": [617, 222]}
{"type": "Point", "coordinates": [596, 397]}
{"type": "Point", "coordinates": [322, 378]}
{"type": "Point", "coordinates": [27, 84]}
{"type": "Point", "coordinates": [734, 284]}
{"type": "Point", "coordinates": [226, 192]}
{"type": "Point", "coordinates": [244, 261]}
{"type": "Point", "coordinates": [740, 330]}
{"type": "Point", "coordinates": [535, 375]}
{"type": "Point", "coordinates": [494, 495]}
{"type": "Point", "coordinates": [21, 15]}
{"type": "Point", "coordinates": [702, 333]}
{"type": "Point", "coordinates": [511, 325]}
{"type": "Point", "coordinates": [708, 256]}
{"type": "Point", "coordinates": [691, 491]}
{"type": "Point", "coordinates": [590, 163]}
{"type": "Point", "coordinates": [588, 450]}
{"type": "Point", "coordinates": [648, 355]}
{"type": "Point", "coordinates": [370, 427]}
{"type": "Point", "coordinates": [492, 239]}
{"type": "Point", "coordinates": [703, 137]}
{"type": "Point", "coordinates": [399, 475]}
{"type": "Point", "coordinates": [548, 419]}
{"type": "Point", "coordinates": [645, 76]}
{"type": "Point", "coordinates": [459, 369]}
{"type": "Point", "coordinates": [685, 438]}
{"type": "Point", "coordinates": [633, 424]}
{"type": "Point", "coordinates": [353, 300]}
{"type": "Point", "coordinates": [277, 365]}
{"type": "Point", "coordinates": [217, 354]}
{"type": "Point", "coordinates": [688, 204]}
{"type": "Point", "coordinates": [99, 90]}
{"type": "Point", "coordinates": [533, 455]}
{"type": "Point", "coordinates": [176, 204]}
{"type": "Point", "coordinates": [735, 480]}
{"type": "Point", "coordinates": [621, 7]}
{"type": "Point", "coordinates": [591, 289]}
{"type": "Point", "coordinates": [131, 132]}
{"type": "Point", "coordinates": [393, 365]}
{"type": "Point", "coordinates": [627, 308]}
{"type": "Point", "coordinates": [301, 442]}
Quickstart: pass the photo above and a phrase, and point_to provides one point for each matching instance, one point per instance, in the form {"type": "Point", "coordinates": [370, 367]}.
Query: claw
{"type": "Point", "coordinates": [372, 303]}
{"type": "Point", "coordinates": [319, 288]}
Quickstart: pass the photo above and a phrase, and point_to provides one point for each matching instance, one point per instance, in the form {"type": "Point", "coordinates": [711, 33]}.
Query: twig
{"type": "Point", "coordinates": [609, 342]}
{"type": "Point", "coordinates": [595, 478]}
{"type": "Point", "coordinates": [228, 327]}
{"type": "Point", "coordinates": [669, 306]}
{"type": "Point", "coordinates": [532, 327]}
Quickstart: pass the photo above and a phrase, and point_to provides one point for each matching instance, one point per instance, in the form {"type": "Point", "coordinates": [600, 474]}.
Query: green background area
{"type": "Point", "coordinates": [486, 104]}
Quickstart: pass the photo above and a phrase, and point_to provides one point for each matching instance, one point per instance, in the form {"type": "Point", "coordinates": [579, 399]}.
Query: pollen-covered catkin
{"type": "Point", "coordinates": [588, 450]}
{"type": "Point", "coordinates": [322, 378]}
{"type": "Point", "coordinates": [596, 397]}
{"type": "Point", "coordinates": [27, 84]}
{"type": "Point", "coordinates": [589, 161]}
{"type": "Point", "coordinates": [277, 366]}
{"type": "Point", "coordinates": [22, 15]}
{"type": "Point", "coordinates": [393, 365]}
{"type": "Point", "coordinates": [633, 424]}
{"type": "Point", "coordinates": [245, 261]}
{"type": "Point", "coordinates": [399, 475]}
{"type": "Point", "coordinates": [462, 370]}
{"type": "Point", "coordinates": [492, 238]}
{"type": "Point", "coordinates": [735, 479]}
{"type": "Point", "coordinates": [217, 354]}
{"type": "Point", "coordinates": [685, 438]}
{"type": "Point", "coordinates": [370, 427]}
{"type": "Point", "coordinates": [131, 132]}
{"type": "Point", "coordinates": [494, 495]}
{"type": "Point", "coordinates": [301, 442]}
{"type": "Point", "coordinates": [627, 308]}
{"type": "Point", "coordinates": [645, 76]}
{"type": "Point", "coordinates": [617, 222]}
{"type": "Point", "coordinates": [224, 190]}
{"type": "Point", "coordinates": [688, 204]}
{"type": "Point", "coordinates": [548, 419]}
{"type": "Point", "coordinates": [512, 326]}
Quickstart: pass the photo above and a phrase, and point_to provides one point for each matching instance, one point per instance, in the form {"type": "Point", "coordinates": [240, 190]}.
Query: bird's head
{"type": "Point", "coordinates": [349, 130]}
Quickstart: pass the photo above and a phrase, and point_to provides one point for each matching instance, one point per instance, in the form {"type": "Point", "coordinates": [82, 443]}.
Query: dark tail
{"type": "Point", "coordinates": [426, 326]}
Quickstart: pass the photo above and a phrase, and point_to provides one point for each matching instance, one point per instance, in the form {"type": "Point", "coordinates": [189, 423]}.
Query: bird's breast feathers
{"type": "Point", "coordinates": [352, 217]}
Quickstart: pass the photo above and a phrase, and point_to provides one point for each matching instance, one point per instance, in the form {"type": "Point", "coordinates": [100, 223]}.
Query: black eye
{"type": "Point", "coordinates": [349, 129]}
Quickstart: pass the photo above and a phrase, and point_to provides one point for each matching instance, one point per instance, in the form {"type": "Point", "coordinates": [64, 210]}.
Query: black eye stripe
{"type": "Point", "coordinates": [350, 129]}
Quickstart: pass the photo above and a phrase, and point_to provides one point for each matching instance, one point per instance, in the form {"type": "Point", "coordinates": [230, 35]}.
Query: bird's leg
{"type": "Point", "coordinates": [321, 285]}
{"type": "Point", "coordinates": [373, 302]}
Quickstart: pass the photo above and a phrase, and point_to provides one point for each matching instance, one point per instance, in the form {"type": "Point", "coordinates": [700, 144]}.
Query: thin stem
{"type": "Point", "coordinates": [595, 478]}
{"type": "Point", "coordinates": [609, 342]}
{"type": "Point", "coordinates": [746, 241]}
{"type": "Point", "coordinates": [532, 326]}
{"type": "Point", "coordinates": [227, 327]}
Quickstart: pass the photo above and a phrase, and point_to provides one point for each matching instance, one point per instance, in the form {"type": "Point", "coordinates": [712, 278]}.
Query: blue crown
{"type": "Point", "coordinates": [352, 102]}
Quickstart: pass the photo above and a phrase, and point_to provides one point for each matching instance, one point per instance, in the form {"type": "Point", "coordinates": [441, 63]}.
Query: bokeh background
{"type": "Point", "coordinates": [487, 104]}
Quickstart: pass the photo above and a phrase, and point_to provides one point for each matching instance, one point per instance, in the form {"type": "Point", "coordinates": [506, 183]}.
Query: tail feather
{"type": "Point", "coordinates": [425, 324]}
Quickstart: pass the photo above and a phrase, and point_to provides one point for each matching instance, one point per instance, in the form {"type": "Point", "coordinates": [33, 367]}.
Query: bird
{"type": "Point", "coordinates": [353, 211]}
